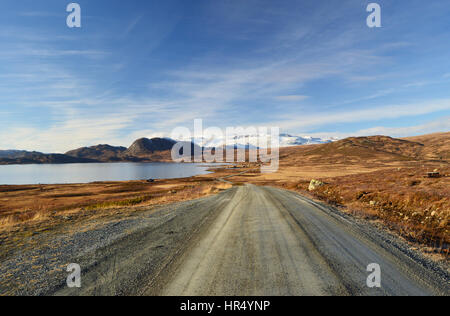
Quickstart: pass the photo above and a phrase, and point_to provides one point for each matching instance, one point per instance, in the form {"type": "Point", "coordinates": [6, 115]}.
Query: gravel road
{"type": "Point", "coordinates": [248, 240]}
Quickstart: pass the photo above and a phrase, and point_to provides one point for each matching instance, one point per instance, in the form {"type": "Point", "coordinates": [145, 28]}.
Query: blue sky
{"type": "Point", "coordinates": [141, 68]}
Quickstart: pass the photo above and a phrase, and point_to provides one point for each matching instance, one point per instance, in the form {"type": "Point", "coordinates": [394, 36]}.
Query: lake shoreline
{"type": "Point", "coordinates": [85, 173]}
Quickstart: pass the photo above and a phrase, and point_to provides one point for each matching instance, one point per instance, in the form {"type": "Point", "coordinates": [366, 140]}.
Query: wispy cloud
{"type": "Point", "coordinates": [132, 25]}
{"type": "Point", "coordinates": [441, 125]}
{"type": "Point", "coordinates": [364, 115]}
{"type": "Point", "coordinates": [44, 53]}
{"type": "Point", "coordinates": [292, 97]}
{"type": "Point", "coordinates": [41, 14]}
{"type": "Point", "coordinates": [70, 134]}
{"type": "Point", "coordinates": [435, 126]}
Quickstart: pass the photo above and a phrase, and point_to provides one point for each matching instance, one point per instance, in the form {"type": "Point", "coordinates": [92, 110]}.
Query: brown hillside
{"type": "Point", "coordinates": [355, 150]}
{"type": "Point", "coordinates": [145, 146]}
{"type": "Point", "coordinates": [102, 153]}
{"type": "Point", "coordinates": [436, 146]}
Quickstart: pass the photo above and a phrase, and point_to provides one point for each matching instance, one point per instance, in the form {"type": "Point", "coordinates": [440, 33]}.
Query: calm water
{"type": "Point", "coordinates": [91, 172]}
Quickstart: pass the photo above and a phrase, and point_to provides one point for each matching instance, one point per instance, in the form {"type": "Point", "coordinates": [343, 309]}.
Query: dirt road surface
{"type": "Point", "coordinates": [248, 240]}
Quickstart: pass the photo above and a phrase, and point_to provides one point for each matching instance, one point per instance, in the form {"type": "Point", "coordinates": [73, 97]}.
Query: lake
{"type": "Point", "coordinates": [92, 172]}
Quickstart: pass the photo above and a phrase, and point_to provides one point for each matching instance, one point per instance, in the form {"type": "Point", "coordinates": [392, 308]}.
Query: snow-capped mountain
{"type": "Point", "coordinates": [254, 141]}
{"type": "Point", "coordinates": [287, 140]}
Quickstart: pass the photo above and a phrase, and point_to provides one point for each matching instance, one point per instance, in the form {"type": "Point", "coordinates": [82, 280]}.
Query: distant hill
{"type": "Point", "coordinates": [377, 144]}
{"type": "Point", "coordinates": [436, 146]}
{"type": "Point", "coordinates": [142, 150]}
{"type": "Point", "coordinates": [145, 147]}
{"type": "Point", "coordinates": [11, 154]}
{"type": "Point", "coordinates": [26, 157]}
{"type": "Point", "coordinates": [103, 153]}
{"type": "Point", "coordinates": [155, 149]}
{"type": "Point", "coordinates": [371, 149]}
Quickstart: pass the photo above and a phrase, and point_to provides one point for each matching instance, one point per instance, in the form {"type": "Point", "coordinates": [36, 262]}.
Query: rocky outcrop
{"type": "Point", "coordinates": [145, 146]}
{"type": "Point", "coordinates": [314, 184]}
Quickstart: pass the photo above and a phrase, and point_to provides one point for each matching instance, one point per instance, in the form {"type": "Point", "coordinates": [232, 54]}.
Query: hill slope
{"type": "Point", "coordinates": [12, 154]}
{"type": "Point", "coordinates": [355, 150]}
{"type": "Point", "coordinates": [372, 149]}
{"type": "Point", "coordinates": [40, 158]}
{"type": "Point", "coordinates": [102, 153]}
{"type": "Point", "coordinates": [144, 146]}
{"type": "Point", "coordinates": [436, 146]}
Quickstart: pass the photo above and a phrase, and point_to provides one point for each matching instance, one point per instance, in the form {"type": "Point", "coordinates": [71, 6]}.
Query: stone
{"type": "Point", "coordinates": [314, 184]}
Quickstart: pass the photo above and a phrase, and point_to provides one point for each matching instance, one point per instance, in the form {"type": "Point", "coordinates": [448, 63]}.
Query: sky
{"type": "Point", "coordinates": [142, 68]}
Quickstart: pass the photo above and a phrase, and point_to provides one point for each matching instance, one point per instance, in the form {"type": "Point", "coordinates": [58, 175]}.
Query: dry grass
{"type": "Point", "coordinates": [31, 206]}
{"type": "Point", "coordinates": [416, 207]}
{"type": "Point", "coordinates": [437, 146]}
{"type": "Point", "coordinates": [17, 226]}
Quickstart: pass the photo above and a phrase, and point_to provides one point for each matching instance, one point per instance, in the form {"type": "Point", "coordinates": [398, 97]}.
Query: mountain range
{"type": "Point", "coordinates": [19, 157]}
{"type": "Point", "coordinates": [428, 147]}
{"type": "Point", "coordinates": [142, 150]}
{"type": "Point", "coordinates": [287, 140]}
{"type": "Point", "coordinates": [253, 141]}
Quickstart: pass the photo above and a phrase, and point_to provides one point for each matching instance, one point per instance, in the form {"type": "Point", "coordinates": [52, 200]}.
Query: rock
{"type": "Point", "coordinates": [314, 184]}
{"type": "Point", "coordinates": [434, 213]}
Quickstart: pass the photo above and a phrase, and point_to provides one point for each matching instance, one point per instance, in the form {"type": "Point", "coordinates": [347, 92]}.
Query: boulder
{"type": "Point", "coordinates": [314, 184]}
